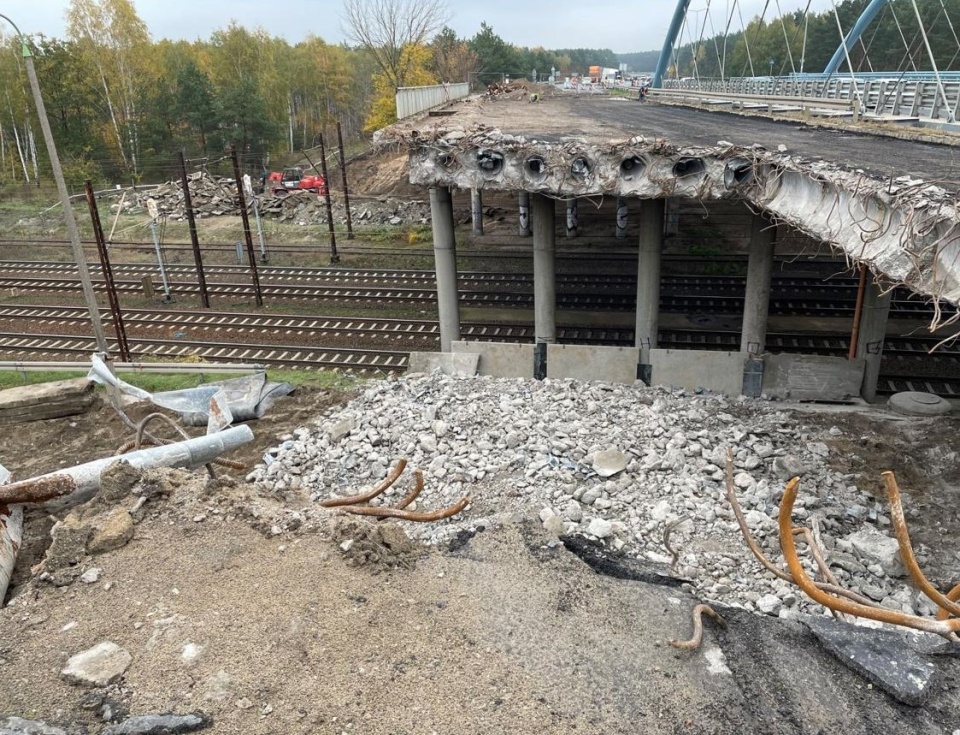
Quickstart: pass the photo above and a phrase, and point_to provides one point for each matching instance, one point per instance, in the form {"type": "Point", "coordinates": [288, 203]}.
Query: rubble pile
{"type": "Point", "coordinates": [510, 90]}
{"type": "Point", "coordinates": [618, 464]}
{"type": "Point", "coordinates": [216, 196]}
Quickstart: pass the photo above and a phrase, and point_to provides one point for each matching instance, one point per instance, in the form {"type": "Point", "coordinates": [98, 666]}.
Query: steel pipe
{"type": "Point", "coordinates": [11, 535]}
{"type": "Point", "coordinates": [78, 484]}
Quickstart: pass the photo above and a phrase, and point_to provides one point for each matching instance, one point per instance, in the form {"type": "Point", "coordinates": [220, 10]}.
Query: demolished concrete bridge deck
{"type": "Point", "coordinates": [884, 202]}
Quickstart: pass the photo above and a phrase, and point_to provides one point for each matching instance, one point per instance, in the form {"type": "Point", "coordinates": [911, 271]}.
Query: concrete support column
{"type": "Point", "coordinates": [476, 211]}
{"type": "Point", "coordinates": [573, 218]}
{"type": "Point", "coordinates": [756, 304]}
{"type": "Point", "coordinates": [622, 218]}
{"type": "Point", "coordinates": [524, 229]}
{"type": "Point", "coordinates": [445, 259]}
{"type": "Point", "coordinates": [672, 225]}
{"type": "Point", "coordinates": [648, 280]}
{"type": "Point", "coordinates": [873, 330]}
{"type": "Point", "coordinates": [544, 269]}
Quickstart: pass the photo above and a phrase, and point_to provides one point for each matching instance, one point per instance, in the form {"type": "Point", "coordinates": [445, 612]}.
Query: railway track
{"type": "Point", "coordinates": [679, 294]}
{"type": "Point", "coordinates": [231, 331]}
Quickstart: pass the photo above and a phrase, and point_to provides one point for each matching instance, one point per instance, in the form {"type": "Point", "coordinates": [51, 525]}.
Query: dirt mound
{"type": "Point", "coordinates": [383, 173]}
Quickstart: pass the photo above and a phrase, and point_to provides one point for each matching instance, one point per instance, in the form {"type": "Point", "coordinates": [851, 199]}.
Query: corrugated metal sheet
{"type": "Point", "coordinates": [411, 100]}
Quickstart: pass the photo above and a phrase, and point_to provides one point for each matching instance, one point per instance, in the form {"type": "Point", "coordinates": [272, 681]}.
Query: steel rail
{"type": "Point", "coordinates": [824, 343]}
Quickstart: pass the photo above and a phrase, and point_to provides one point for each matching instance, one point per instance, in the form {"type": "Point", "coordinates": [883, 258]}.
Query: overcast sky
{"type": "Point", "coordinates": [621, 25]}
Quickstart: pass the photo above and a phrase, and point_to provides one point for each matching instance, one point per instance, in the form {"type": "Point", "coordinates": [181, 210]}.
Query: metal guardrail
{"type": "Point", "coordinates": [877, 94]}
{"type": "Point", "coordinates": [412, 100]}
{"type": "Point", "coordinates": [806, 103]}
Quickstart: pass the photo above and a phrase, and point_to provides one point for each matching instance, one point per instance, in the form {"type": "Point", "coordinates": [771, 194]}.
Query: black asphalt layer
{"type": "Point", "coordinates": [883, 157]}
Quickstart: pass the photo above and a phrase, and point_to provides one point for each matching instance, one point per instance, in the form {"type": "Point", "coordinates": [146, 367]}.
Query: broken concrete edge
{"type": "Point", "coordinates": [138, 725]}
{"type": "Point", "coordinates": [880, 655]}
{"type": "Point", "coordinates": [461, 364]}
{"type": "Point", "coordinates": [893, 660]}
{"type": "Point", "coordinates": [904, 230]}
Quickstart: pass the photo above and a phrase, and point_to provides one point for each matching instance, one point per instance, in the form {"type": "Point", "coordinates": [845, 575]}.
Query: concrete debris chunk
{"type": "Point", "coordinates": [98, 666]}
{"type": "Point", "coordinates": [874, 547]}
{"type": "Point", "coordinates": [609, 462]}
{"type": "Point", "coordinates": [881, 656]}
{"type": "Point", "coordinates": [19, 726]}
{"type": "Point", "coordinates": [46, 401]}
{"type": "Point", "coordinates": [160, 724]}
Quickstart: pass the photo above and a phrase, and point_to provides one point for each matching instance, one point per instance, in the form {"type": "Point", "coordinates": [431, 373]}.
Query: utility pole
{"type": "Point", "coordinates": [334, 256]}
{"type": "Point", "coordinates": [112, 298]}
{"type": "Point", "coordinates": [197, 257]}
{"type": "Point", "coordinates": [248, 236]}
{"type": "Point", "coordinates": [71, 222]}
{"type": "Point", "coordinates": [343, 175]}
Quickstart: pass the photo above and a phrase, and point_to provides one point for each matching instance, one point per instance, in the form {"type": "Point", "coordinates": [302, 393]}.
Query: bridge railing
{"type": "Point", "coordinates": [412, 100]}
{"type": "Point", "coordinates": [877, 94]}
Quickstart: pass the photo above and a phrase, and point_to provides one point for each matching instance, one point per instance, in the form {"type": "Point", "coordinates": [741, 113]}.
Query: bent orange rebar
{"type": "Point", "coordinates": [906, 548]}
{"type": "Point", "coordinates": [409, 515]}
{"type": "Point", "coordinates": [831, 588]}
{"type": "Point", "coordinates": [412, 494]}
{"type": "Point", "coordinates": [694, 642]}
{"type": "Point", "coordinates": [371, 494]}
{"type": "Point", "coordinates": [953, 595]}
{"type": "Point", "coordinates": [947, 628]}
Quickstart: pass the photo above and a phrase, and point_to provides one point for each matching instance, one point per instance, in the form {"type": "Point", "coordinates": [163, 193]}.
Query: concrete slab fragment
{"type": "Point", "coordinates": [500, 359]}
{"type": "Point", "coordinates": [591, 362]}
{"type": "Point", "coordinates": [719, 372]}
{"type": "Point", "coordinates": [916, 403]}
{"type": "Point", "coordinates": [812, 377]}
{"type": "Point", "coordinates": [46, 400]}
{"type": "Point", "coordinates": [98, 666]}
{"type": "Point", "coordinates": [880, 656]}
{"type": "Point", "coordinates": [449, 363]}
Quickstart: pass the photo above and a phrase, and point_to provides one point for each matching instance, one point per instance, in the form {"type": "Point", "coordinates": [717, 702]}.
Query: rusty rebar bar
{"type": "Point", "coordinates": [414, 492]}
{"type": "Point", "coordinates": [947, 628]}
{"type": "Point", "coordinates": [371, 494]}
{"type": "Point", "coordinates": [667, 531]}
{"type": "Point", "coordinates": [828, 587]}
{"type": "Point", "coordinates": [953, 595]}
{"type": "Point", "coordinates": [694, 642]}
{"type": "Point", "coordinates": [410, 515]}
{"type": "Point", "coordinates": [906, 548]}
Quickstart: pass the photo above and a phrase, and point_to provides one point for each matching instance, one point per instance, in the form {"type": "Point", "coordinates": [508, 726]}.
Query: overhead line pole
{"type": "Point", "coordinates": [334, 255]}
{"type": "Point", "coordinates": [73, 231]}
{"type": "Point", "coordinates": [111, 284]}
{"type": "Point", "coordinates": [194, 239]}
{"type": "Point", "coordinates": [247, 235]}
{"type": "Point", "coordinates": [343, 175]}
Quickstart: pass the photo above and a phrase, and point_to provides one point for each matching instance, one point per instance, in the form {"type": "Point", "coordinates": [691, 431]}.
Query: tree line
{"type": "Point", "coordinates": [122, 104]}
{"type": "Point", "coordinates": [796, 42]}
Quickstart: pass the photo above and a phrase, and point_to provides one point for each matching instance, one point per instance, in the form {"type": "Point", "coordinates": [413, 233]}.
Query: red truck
{"type": "Point", "coordinates": [294, 179]}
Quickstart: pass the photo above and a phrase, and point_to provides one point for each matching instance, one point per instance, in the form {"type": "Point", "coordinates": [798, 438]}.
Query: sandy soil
{"type": "Point", "coordinates": [248, 609]}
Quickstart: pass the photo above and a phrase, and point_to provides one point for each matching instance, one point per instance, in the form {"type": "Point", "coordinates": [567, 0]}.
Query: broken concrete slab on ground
{"type": "Point", "coordinates": [46, 401]}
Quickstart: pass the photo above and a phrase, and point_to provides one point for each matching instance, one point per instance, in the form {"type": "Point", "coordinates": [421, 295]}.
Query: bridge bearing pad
{"type": "Point", "coordinates": [916, 403]}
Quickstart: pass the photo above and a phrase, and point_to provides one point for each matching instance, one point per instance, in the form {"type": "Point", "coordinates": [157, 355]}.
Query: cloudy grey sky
{"type": "Point", "coordinates": [622, 25]}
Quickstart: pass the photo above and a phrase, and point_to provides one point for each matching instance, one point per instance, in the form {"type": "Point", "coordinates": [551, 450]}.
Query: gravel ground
{"type": "Point", "coordinates": [245, 600]}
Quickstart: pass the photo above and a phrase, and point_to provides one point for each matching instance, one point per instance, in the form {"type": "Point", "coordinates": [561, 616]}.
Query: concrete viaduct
{"type": "Point", "coordinates": [881, 202]}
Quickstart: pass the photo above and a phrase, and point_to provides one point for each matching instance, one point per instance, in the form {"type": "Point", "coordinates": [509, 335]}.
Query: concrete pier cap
{"type": "Point", "coordinates": [903, 229]}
